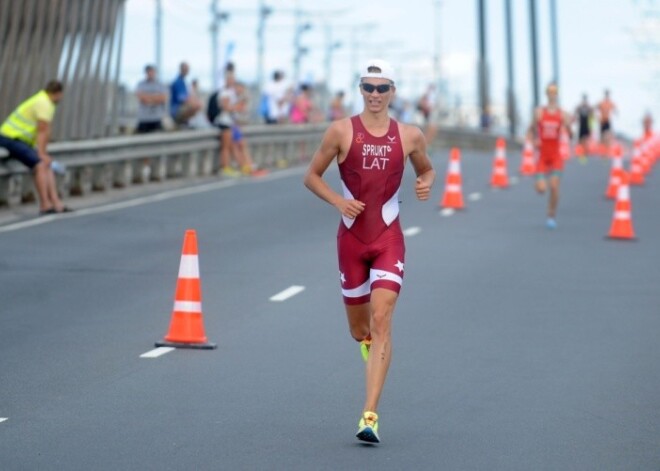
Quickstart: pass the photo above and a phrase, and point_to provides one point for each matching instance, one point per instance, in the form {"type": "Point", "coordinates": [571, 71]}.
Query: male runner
{"type": "Point", "coordinates": [371, 150]}
{"type": "Point", "coordinates": [584, 113]}
{"type": "Point", "coordinates": [647, 125]}
{"type": "Point", "coordinates": [605, 110]}
{"type": "Point", "coordinates": [546, 127]}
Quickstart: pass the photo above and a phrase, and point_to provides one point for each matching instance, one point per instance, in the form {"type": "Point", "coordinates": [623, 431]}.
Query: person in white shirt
{"type": "Point", "coordinates": [277, 95]}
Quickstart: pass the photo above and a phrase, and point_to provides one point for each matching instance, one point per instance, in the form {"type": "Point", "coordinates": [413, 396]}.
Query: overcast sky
{"type": "Point", "coordinates": [597, 45]}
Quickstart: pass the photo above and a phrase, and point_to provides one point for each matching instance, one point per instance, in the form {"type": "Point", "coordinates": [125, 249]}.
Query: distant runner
{"type": "Point", "coordinates": [583, 114]}
{"type": "Point", "coordinates": [545, 131]}
{"type": "Point", "coordinates": [605, 110]}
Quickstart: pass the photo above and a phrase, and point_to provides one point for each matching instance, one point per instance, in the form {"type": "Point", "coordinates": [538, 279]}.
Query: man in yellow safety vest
{"type": "Point", "coordinates": [25, 134]}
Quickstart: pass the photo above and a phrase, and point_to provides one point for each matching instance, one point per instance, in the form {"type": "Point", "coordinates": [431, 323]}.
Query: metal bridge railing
{"type": "Point", "coordinates": [101, 165]}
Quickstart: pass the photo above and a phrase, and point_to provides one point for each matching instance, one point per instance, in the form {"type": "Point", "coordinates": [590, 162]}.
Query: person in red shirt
{"type": "Point", "coordinates": [371, 150]}
{"type": "Point", "coordinates": [545, 131]}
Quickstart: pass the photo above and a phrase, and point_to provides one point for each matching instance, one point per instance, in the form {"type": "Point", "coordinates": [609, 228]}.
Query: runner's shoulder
{"type": "Point", "coordinates": [339, 134]}
{"type": "Point", "coordinates": [410, 131]}
{"type": "Point", "coordinates": [339, 127]}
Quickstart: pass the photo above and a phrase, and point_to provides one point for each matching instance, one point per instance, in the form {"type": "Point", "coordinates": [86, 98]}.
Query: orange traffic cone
{"type": "Point", "coordinates": [622, 221]}
{"type": "Point", "coordinates": [453, 196]}
{"type": "Point", "coordinates": [615, 173]}
{"type": "Point", "coordinates": [499, 178]}
{"type": "Point", "coordinates": [187, 326]}
{"type": "Point", "coordinates": [527, 165]}
{"type": "Point", "coordinates": [637, 166]}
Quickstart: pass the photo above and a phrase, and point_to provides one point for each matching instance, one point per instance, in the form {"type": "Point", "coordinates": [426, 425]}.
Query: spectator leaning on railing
{"type": "Point", "coordinates": [27, 127]}
{"type": "Point", "coordinates": [183, 105]}
{"type": "Point", "coordinates": [152, 98]}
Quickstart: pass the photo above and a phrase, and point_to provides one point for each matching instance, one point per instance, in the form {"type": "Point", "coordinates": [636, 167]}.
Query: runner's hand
{"type": "Point", "coordinates": [350, 208]}
{"type": "Point", "coordinates": [422, 189]}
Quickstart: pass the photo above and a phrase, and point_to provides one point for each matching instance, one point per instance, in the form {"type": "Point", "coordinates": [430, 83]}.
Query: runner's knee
{"type": "Point", "coordinates": [360, 332]}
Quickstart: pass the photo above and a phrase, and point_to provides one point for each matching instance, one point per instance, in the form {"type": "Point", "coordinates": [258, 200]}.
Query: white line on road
{"type": "Point", "coordinates": [412, 231]}
{"type": "Point", "coordinates": [513, 180]}
{"type": "Point", "coordinates": [156, 352]}
{"type": "Point", "coordinates": [287, 293]}
{"type": "Point", "coordinates": [447, 212]}
{"type": "Point", "coordinates": [3, 419]}
{"type": "Point", "coordinates": [476, 196]}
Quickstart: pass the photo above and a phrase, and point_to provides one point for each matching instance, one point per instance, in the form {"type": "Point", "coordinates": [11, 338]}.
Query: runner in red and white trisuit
{"type": "Point", "coordinates": [371, 150]}
{"type": "Point", "coordinates": [370, 247]}
{"type": "Point", "coordinates": [546, 130]}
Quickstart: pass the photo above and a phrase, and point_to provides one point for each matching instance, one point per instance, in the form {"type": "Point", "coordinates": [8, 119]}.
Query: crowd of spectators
{"type": "Point", "coordinates": [181, 106]}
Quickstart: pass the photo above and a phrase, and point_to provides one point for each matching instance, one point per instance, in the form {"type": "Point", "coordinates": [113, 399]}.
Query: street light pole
{"type": "Point", "coordinates": [264, 12]}
{"type": "Point", "coordinates": [437, 58]}
{"type": "Point", "coordinates": [216, 18]}
{"type": "Point", "coordinates": [329, 48]}
{"type": "Point", "coordinates": [355, 57]}
{"type": "Point", "coordinates": [298, 50]}
{"type": "Point", "coordinates": [555, 42]}
{"type": "Point", "coordinates": [159, 36]}
{"type": "Point", "coordinates": [510, 95]}
{"type": "Point", "coordinates": [484, 100]}
{"type": "Point", "coordinates": [214, 43]}
{"type": "Point", "coordinates": [534, 48]}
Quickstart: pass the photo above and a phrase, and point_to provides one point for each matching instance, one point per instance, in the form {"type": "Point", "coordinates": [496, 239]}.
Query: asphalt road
{"type": "Point", "coordinates": [515, 347]}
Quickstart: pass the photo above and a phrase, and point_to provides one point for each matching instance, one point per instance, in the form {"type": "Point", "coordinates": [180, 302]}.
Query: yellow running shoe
{"type": "Point", "coordinates": [230, 172]}
{"type": "Point", "coordinates": [368, 427]}
{"type": "Point", "coordinates": [365, 346]}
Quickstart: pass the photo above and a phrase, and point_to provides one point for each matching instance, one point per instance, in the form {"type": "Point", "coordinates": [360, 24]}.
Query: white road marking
{"type": "Point", "coordinates": [412, 231]}
{"type": "Point", "coordinates": [156, 352]}
{"type": "Point", "coordinates": [3, 419]}
{"type": "Point", "coordinates": [287, 293]}
{"type": "Point", "coordinates": [447, 212]}
{"type": "Point", "coordinates": [474, 196]}
{"type": "Point", "coordinates": [513, 180]}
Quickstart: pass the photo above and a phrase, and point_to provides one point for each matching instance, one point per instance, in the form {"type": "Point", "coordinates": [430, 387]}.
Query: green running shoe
{"type": "Point", "coordinates": [368, 428]}
{"type": "Point", "coordinates": [365, 345]}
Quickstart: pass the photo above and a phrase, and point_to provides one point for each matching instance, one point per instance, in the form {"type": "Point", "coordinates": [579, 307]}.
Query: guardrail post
{"type": "Point", "coordinates": [102, 177]}
{"type": "Point", "coordinates": [175, 166]}
{"type": "Point", "coordinates": [141, 171]}
{"type": "Point", "coordinates": [63, 183]}
{"type": "Point", "coordinates": [158, 167]}
{"type": "Point", "coordinates": [10, 189]}
{"type": "Point", "coordinates": [28, 191]}
{"type": "Point", "coordinates": [190, 164]}
{"type": "Point", "coordinates": [207, 159]}
{"type": "Point", "coordinates": [255, 152]}
{"type": "Point", "coordinates": [122, 174]}
{"type": "Point", "coordinates": [81, 180]}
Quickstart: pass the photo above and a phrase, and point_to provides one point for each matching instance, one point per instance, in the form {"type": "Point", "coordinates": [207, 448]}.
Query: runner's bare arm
{"type": "Point", "coordinates": [421, 163]}
{"type": "Point", "coordinates": [328, 150]}
{"type": "Point", "coordinates": [568, 123]}
{"type": "Point", "coordinates": [531, 131]}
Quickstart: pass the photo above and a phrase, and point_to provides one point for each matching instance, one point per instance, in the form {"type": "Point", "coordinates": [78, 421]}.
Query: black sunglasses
{"type": "Point", "coordinates": [369, 88]}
